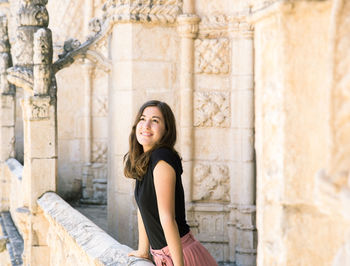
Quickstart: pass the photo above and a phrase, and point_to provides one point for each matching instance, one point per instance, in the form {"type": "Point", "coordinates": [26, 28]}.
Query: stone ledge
{"type": "Point", "coordinates": [15, 167]}
{"type": "Point", "coordinates": [100, 248]}
{"type": "Point", "coordinates": [15, 242]}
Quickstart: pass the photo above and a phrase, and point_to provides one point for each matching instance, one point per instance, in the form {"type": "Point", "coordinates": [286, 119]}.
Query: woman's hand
{"type": "Point", "coordinates": [139, 254]}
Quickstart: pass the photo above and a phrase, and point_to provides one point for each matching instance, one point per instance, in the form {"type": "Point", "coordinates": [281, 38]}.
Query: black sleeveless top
{"type": "Point", "coordinates": [146, 199]}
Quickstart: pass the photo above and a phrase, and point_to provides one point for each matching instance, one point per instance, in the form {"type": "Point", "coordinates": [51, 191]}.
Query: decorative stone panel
{"type": "Point", "coordinates": [212, 109]}
{"type": "Point", "coordinates": [101, 106]}
{"type": "Point", "coordinates": [211, 182]}
{"type": "Point", "coordinates": [99, 152]}
{"type": "Point", "coordinates": [209, 222]}
{"type": "Point", "coordinates": [212, 56]}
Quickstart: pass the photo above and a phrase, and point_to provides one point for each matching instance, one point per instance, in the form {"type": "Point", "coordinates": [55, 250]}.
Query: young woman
{"type": "Point", "coordinates": [156, 166]}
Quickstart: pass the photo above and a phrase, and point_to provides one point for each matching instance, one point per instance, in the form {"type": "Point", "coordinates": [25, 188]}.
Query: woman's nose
{"type": "Point", "coordinates": [148, 124]}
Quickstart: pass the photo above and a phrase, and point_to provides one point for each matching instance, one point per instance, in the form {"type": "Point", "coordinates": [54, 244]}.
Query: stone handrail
{"type": "Point", "coordinates": [75, 240]}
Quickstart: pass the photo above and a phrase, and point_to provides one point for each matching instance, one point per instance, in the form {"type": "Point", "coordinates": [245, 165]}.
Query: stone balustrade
{"type": "Point", "coordinates": [75, 240]}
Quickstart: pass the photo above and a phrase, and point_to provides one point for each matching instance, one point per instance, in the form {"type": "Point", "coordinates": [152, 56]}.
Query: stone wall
{"type": "Point", "coordinates": [298, 91]}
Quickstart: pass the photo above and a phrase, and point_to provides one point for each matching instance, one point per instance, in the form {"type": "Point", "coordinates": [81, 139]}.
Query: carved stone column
{"type": "Point", "coordinates": [188, 30]}
{"type": "Point", "coordinates": [87, 186]}
{"type": "Point", "coordinates": [243, 224]}
{"type": "Point", "coordinates": [33, 72]}
{"type": "Point", "coordinates": [7, 114]}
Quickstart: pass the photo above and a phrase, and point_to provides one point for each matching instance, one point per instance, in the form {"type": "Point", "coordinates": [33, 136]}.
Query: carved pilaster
{"type": "Point", "coordinates": [188, 30]}
{"type": "Point", "coordinates": [42, 61]}
{"type": "Point", "coordinates": [5, 57]}
{"type": "Point", "coordinates": [31, 16]}
{"type": "Point", "coordinates": [242, 123]}
{"type": "Point", "coordinates": [7, 114]}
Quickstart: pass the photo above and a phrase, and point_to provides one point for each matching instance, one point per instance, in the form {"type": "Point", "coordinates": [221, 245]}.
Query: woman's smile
{"type": "Point", "coordinates": [150, 128]}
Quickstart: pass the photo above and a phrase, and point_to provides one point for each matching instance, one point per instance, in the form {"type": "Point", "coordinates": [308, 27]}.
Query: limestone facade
{"type": "Point", "coordinates": [259, 90]}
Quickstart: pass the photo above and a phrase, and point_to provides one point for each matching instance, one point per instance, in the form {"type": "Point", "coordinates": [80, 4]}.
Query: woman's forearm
{"type": "Point", "coordinates": [143, 239]}
{"type": "Point", "coordinates": [173, 240]}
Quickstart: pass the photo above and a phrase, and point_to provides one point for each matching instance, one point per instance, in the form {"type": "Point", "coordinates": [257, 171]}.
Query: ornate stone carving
{"type": "Point", "coordinates": [211, 182]}
{"type": "Point", "coordinates": [5, 57]}
{"type": "Point", "coordinates": [28, 51]}
{"type": "Point", "coordinates": [212, 109]}
{"type": "Point", "coordinates": [22, 50]}
{"type": "Point", "coordinates": [213, 26]}
{"type": "Point", "coordinates": [42, 61]}
{"type": "Point", "coordinates": [21, 77]}
{"type": "Point", "coordinates": [188, 25]}
{"type": "Point", "coordinates": [40, 111]}
{"type": "Point", "coordinates": [4, 39]}
{"type": "Point", "coordinates": [36, 108]}
{"type": "Point", "coordinates": [158, 11]}
{"type": "Point", "coordinates": [99, 152]}
{"type": "Point", "coordinates": [33, 13]}
{"type": "Point", "coordinates": [212, 56]}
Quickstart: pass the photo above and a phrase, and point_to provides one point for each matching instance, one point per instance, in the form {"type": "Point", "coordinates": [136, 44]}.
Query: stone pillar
{"type": "Point", "coordinates": [33, 72]}
{"type": "Point", "coordinates": [121, 210]}
{"type": "Point", "coordinates": [7, 114]}
{"type": "Point", "coordinates": [87, 185]}
{"type": "Point", "coordinates": [188, 30]}
{"type": "Point", "coordinates": [87, 182]}
{"type": "Point", "coordinates": [243, 245]}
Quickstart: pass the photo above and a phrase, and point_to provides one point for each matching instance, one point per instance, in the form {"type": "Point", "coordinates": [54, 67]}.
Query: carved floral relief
{"type": "Point", "coordinates": [211, 182]}
{"type": "Point", "coordinates": [212, 109]}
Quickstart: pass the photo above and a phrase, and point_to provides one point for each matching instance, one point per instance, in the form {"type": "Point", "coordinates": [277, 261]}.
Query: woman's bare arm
{"type": "Point", "coordinates": [164, 182]}
{"type": "Point", "coordinates": [143, 248]}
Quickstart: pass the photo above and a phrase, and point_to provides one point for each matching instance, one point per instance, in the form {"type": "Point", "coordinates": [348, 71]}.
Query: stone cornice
{"type": "Point", "coordinates": [144, 11]}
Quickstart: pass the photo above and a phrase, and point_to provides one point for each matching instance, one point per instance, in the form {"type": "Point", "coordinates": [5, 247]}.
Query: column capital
{"type": "Point", "coordinates": [188, 25]}
{"type": "Point", "coordinates": [36, 108]}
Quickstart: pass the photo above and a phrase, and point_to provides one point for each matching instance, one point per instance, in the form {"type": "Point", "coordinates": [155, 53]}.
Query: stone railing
{"type": "Point", "coordinates": [13, 170]}
{"type": "Point", "coordinates": [74, 240]}
{"type": "Point", "coordinates": [68, 236]}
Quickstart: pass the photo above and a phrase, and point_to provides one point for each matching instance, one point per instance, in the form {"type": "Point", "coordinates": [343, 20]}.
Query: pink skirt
{"type": "Point", "coordinates": [194, 253]}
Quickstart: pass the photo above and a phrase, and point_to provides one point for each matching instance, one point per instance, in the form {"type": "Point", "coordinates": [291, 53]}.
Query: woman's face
{"type": "Point", "coordinates": [151, 127]}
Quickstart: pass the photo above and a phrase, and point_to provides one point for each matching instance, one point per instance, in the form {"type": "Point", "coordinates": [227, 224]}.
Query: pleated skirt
{"type": "Point", "coordinates": [194, 253]}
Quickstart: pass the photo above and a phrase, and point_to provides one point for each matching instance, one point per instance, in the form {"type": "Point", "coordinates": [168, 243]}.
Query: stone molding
{"type": "Point", "coordinates": [144, 11]}
{"type": "Point", "coordinates": [214, 26]}
{"type": "Point", "coordinates": [339, 156]}
{"type": "Point", "coordinates": [98, 246]}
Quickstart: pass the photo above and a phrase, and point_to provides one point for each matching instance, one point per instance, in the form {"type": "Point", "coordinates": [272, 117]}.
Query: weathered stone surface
{"type": "Point", "coordinates": [74, 238]}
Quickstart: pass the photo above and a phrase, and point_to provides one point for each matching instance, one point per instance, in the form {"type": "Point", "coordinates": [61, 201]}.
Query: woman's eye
{"type": "Point", "coordinates": [142, 119]}
{"type": "Point", "coordinates": [154, 120]}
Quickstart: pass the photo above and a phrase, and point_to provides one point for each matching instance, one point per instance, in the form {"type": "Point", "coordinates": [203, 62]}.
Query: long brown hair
{"type": "Point", "coordinates": [136, 160]}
